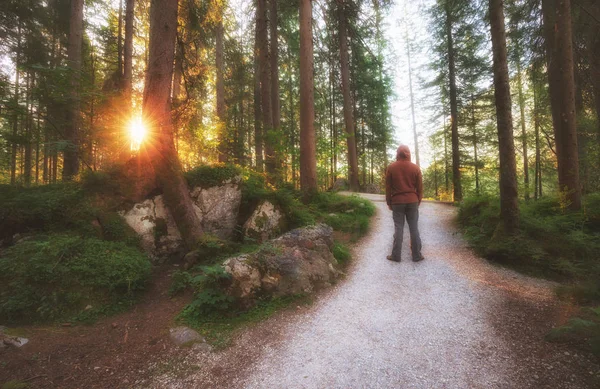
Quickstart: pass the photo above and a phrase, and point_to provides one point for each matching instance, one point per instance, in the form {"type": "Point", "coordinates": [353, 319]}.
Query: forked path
{"type": "Point", "coordinates": [450, 321]}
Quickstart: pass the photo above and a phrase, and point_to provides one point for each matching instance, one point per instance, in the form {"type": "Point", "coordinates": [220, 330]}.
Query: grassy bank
{"type": "Point", "coordinates": [552, 243]}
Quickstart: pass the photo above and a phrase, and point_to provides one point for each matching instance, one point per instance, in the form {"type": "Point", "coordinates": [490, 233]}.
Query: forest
{"type": "Point", "coordinates": [105, 103]}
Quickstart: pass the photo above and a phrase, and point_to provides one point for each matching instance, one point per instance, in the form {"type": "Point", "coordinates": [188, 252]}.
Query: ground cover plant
{"type": "Point", "coordinates": [552, 243]}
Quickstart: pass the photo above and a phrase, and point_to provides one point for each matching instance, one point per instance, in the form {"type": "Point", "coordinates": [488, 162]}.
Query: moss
{"type": "Point", "coordinates": [55, 276]}
{"type": "Point", "coordinates": [207, 176]}
{"type": "Point", "coordinates": [551, 242]}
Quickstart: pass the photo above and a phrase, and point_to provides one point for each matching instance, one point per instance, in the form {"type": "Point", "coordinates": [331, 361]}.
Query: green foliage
{"type": "Point", "coordinates": [49, 207]}
{"type": "Point", "coordinates": [341, 253]}
{"type": "Point", "coordinates": [210, 297]}
{"type": "Point", "coordinates": [583, 330]}
{"type": "Point", "coordinates": [552, 243]}
{"type": "Point", "coordinates": [344, 213]}
{"type": "Point", "coordinates": [115, 229]}
{"type": "Point", "coordinates": [54, 276]}
{"type": "Point", "coordinates": [219, 329]}
{"type": "Point", "coordinates": [180, 281]}
{"type": "Point", "coordinates": [207, 176]}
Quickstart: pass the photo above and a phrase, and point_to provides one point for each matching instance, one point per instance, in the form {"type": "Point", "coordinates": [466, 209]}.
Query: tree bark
{"type": "Point", "coordinates": [120, 43]}
{"type": "Point", "coordinates": [475, 144]}
{"type": "Point", "coordinates": [538, 153]}
{"type": "Point", "coordinates": [15, 124]}
{"type": "Point", "coordinates": [509, 202]}
{"type": "Point", "coordinates": [220, 89]}
{"type": "Point", "coordinates": [265, 87]}
{"type": "Point", "coordinates": [559, 56]}
{"type": "Point", "coordinates": [523, 129]}
{"type": "Point", "coordinates": [258, 133]}
{"type": "Point", "coordinates": [347, 95]}
{"type": "Point", "coordinates": [412, 101]}
{"type": "Point", "coordinates": [456, 180]}
{"type": "Point", "coordinates": [308, 161]}
{"type": "Point", "coordinates": [71, 154]}
{"type": "Point", "coordinates": [275, 104]}
{"type": "Point", "coordinates": [128, 50]}
{"type": "Point", "coordinates": [28, 124]}
{"type": "Point", "coordinates": [156, 110]}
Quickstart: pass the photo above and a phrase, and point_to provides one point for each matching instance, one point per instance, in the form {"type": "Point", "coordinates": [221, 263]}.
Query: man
{"type": "Point", "coordinates": [403, 193]}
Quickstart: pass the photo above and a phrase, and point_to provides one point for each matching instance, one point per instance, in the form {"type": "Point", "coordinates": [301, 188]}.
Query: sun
{"type": "Point", "coordinates": [137, 133]}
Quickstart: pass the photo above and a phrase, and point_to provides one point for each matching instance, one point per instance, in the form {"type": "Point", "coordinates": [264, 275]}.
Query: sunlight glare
{"type": "Point", "coordinates": [137, 133]}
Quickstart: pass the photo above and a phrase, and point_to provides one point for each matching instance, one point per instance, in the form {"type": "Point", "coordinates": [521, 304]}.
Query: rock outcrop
{"type": "Point", "coordinates": [216, 207]}
{"type": "Point", "coordinates": [266, 222]}
{"type": "Point", "coordinates": [297, 262]}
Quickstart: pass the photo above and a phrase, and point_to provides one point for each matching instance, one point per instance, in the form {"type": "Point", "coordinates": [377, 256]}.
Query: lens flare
{"type": "Point", "coordinates": [137, 133]}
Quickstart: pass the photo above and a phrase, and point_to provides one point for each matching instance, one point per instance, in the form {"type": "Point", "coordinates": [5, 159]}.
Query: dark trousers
{"type": "Point", "coordinates": [411, 213]}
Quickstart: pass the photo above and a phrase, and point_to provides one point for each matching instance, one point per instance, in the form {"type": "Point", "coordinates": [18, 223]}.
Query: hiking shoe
{"type": "Point", "coordinates": [419, 258]}
{"type": "Point", "coordinates": [389, 258]}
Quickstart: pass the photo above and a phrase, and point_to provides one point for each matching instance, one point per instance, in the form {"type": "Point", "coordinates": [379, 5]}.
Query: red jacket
{"type": "Point", "coordinates": [403, 183]}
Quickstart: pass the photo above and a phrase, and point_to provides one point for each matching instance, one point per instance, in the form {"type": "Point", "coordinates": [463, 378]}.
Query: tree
{"type": "Point", "coordinates": [71, 155]}
{"type": "Point", "coordinates": [265, 85]}
{"type": "Point", "coordinates": [453, 104]}
{"type": "Point", "coordinates": [347, 96]}
{"type": "Point", "coordinates": [220, 88]}
{"type": "Point", "coordinates": [509, 204]}
{"type": "Point", "coordinates": [559, 56]}
{"type": "Point", "coordinates": [128, 50]}
{"type": "Point", "coordinates": [156, 110]}
{"type": "Point", "coordinates": [308, 160]}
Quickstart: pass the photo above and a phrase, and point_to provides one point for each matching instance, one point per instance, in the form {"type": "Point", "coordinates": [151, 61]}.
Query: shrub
{"type": "Point", "coordinates": [551, 242]}
{"type": "Point", "coordinates": [341, 253]}
{"type": "Point", "coordinates": [57, 206]}
{"type": "Point", "coordinates": [51, 277]}
{"type": "Point", "coordinates": [584, 330]}
{"type": "Point", "coordinates": [207, 176]}
{"type": "Point", "coordinates": [210, 298]}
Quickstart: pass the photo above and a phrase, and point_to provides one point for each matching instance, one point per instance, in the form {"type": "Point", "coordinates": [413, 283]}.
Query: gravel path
{"type": "Point", "coordinates": [451, 321]}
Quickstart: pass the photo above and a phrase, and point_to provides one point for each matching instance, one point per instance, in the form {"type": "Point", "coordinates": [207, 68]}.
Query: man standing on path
{"type": "Point", "coordinates": [403, 194]}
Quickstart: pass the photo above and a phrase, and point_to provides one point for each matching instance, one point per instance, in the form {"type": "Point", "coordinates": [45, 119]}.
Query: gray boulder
{"type": "Point", "coordinates": [216, 207]}
{"type": "Point", "coordinates": [297, 262]}
{"type": "Point", "coordinates": [182, 336]}
{"type": "Point", "coordinates": [266, 222]}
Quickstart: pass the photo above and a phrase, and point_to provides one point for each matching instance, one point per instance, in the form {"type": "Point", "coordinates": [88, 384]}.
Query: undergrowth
{"type": "Point", "coordinates": [56, 277]}
{"type": "Point", "coordinates": [552, 243]}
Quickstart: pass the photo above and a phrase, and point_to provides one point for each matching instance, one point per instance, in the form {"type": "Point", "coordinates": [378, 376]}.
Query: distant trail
{"type": "Point", "coordinates": [451, 321]}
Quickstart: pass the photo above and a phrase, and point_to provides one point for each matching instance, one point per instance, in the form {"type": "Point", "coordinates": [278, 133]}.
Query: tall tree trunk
{"type": "Point", "coordinates": [265, 87]}
{"type": "Point", "coordinates": [595, 76]}
{"type": "Point", "coordinates": [446, 168]}
{"type": "Point", "coordinates": [523, 128]}
{"type": "Point", "coordinates": [475, 144]}
{"type": "Point", "coordinates": [156, 109]}
{"type": "Point", "coordinates": [220, 88]}
{"type": "Point", "coordinates": [120, 43]}
{"type": "Point", "coordinates": [258, 127]}
{"type": "Point", "coordinates": [559, 54]}
{"type": "Point", "coordinates": [348, 105]}
{"type": "Point", "coordinates": [71, 154]}
{"type": "Point", "coordinates": [28, 124]}
{"type": "Point", "coordinates": [536, 120]}
{"type": "Point", "coordinates": [128, 51]}
{"type": "Point", "coordinates": [412, 100]}
{"type": "Point", "coordinates": [275, 140]}
{"type": "Point", "coordinates": [453, 106]}
{"type": "Point", "coordinates": [509, 201]}
{"type": "Point", "coordinates": [308, 159]}
{"type": "Point", "coordinates": [15, 124]}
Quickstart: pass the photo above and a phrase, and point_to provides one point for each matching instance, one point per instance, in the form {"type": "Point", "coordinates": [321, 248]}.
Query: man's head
{"type": "Point", "coordinates": [403, 153]}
